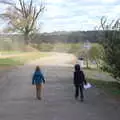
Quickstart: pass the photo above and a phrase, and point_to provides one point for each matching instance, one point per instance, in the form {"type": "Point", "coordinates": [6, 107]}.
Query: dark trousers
{"type": "Point", "coordinates": [77, 89]}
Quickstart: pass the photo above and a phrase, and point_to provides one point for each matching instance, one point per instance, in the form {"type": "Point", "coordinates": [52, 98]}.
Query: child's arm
{"type": "Point", "coordinates": [43, 78]}
{"type": "Point", "coordinates": [84, 80]}
{"type": "Point", "coordinates": [33, 79]}
{"type": "Point", "coordinates": [74, 79]}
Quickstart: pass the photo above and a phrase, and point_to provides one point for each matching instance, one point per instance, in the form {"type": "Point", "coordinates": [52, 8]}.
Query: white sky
{"type": "Point", "coordinates": [69, 15]}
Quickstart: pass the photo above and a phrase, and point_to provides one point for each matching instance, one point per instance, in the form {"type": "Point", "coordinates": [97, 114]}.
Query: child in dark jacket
{"type": "Point", "coordinates": [79, 81]}
{"type": "Point", "coordinates": [38, 80]}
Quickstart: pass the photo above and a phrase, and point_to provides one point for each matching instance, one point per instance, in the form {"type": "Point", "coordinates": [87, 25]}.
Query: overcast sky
{"type": "Point", "coordinates": [69, 15]}
{"type": "Point", "coordinates": [77, 14]}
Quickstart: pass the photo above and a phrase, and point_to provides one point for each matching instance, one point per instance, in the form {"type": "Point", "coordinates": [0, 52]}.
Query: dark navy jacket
{"type": "Point", "coordinates": [79, 78]}
{"type": "Point", "coordinates": [38, 78]}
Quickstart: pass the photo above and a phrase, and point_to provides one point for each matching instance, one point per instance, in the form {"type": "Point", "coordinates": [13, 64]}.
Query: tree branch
{"type": "Point", "coordinates": [33, 19]}
{"type": "Point", "coordinates": [24, 9]}
{"type": "Point", "coordinates": [30, 7]}
{"type": "Point", "coordinates": [40, 10]}
{"type": "Point", "coordinates": [103, 22]}
{"type": "Point", "coordinates": [36, 14]}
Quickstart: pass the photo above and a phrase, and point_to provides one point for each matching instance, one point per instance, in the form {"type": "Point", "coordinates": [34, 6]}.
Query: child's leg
{"type": "Point", "coordinates": [76, 91]}
{"type": "Point", "coordinates": [37, 92]}
{"type": "Point", "coordinates": [81, 92]}
{"type": "Point", "coordinates": [40, 91]}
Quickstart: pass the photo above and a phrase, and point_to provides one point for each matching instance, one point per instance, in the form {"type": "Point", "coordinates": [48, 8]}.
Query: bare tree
{"type": "Point", "coordinates": [22, 16]}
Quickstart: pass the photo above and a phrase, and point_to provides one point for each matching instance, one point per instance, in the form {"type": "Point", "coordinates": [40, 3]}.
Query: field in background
{"type": "Point", "coordinates": [74, 48]}
{"type": "Point", "coordinates": [15, 43]}
{"type": "Point", "coordinates": [20, 59]}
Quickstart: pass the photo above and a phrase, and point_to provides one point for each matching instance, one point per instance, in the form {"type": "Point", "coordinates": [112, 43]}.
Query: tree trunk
{"type": "Point", "coordinates": [87, 64]}
{"type": "Point", "coordinates": [26, 38]}
{"type": "Point", "coordinates": [97, 65]}
{"type": "Point", "coordinates": [87, 60]}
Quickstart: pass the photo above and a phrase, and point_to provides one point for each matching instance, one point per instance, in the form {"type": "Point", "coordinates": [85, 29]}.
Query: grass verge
{"type": "Point", "coordinates": [113, 88]}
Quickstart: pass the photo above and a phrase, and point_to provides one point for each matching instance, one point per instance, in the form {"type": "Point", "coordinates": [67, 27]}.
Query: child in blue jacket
{"type": "Point", "coordinates": [38, 80]}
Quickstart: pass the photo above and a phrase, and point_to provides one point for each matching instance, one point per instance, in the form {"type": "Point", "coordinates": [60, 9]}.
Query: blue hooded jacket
{"type": "Point", "coordinates": [38, 78]}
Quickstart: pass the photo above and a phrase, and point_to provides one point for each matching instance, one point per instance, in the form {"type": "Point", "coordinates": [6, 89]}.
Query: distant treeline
{"type": "Point", "coordinates": [68, 37]}
{"type": "Point", "coordinates": [57, 37]}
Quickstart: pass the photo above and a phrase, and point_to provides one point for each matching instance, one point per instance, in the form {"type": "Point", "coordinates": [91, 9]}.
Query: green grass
{"type": "Point", "coordinates": [22, 59]}
{"type": "Point", "coordinates": [103, 81]}
{"type": "Point", "coordinates": [98, 75]}
{"type": "Point", "coordinates": [113, 88]}
{"type": "Point", "coordinates": [10, 52]}
{"type": "Point", "coordinates": [9, 62]}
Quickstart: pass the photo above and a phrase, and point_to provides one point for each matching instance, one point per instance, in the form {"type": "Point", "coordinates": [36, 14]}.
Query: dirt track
{"type": "Point", "coordinates": [56, 59]}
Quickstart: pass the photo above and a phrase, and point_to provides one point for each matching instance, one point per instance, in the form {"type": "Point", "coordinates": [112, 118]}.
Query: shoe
{"type": "Point", "coordinates": [76, 98]}
{"type": "Point", "coordinates": [39, 98]}
{"type": "Point", "coordinates": [82, 99]}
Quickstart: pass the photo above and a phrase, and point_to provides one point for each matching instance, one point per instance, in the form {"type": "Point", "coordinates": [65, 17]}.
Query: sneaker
{"type": "Point", "coordinates": [76, 98]}
{"type": "Point", "coordinates": [39, 98]}
{"type": "Point", "coordinates": [82, 99]}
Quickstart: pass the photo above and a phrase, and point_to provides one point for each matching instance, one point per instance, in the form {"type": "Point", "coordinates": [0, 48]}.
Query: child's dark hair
{"type": "Point", "coordinates": [37, 68]}
{"type": "Point", "coordinates": [77, 67]}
